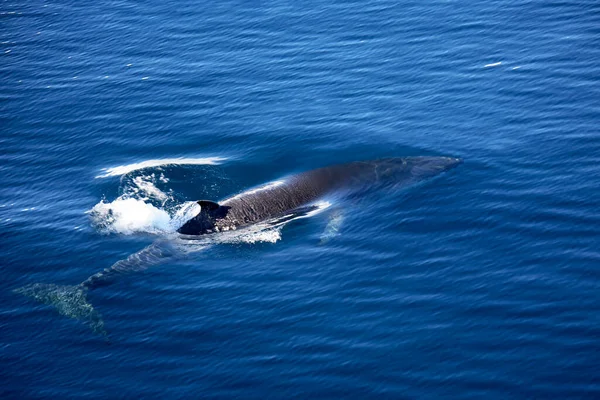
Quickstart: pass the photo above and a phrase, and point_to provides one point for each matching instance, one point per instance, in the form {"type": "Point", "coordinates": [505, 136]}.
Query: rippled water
{"type": "Point", "coordinates": [483, 282]}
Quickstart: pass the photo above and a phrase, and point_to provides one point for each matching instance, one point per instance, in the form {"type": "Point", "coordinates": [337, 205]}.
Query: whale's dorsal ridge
{"type": "Point", "coordinates": [208, 205]}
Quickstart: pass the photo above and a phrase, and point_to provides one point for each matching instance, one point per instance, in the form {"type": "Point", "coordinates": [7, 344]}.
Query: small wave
{"type": "Point", "coordinates": [493, 64]}
{"type": "Point", "coordinates": [125, 169]}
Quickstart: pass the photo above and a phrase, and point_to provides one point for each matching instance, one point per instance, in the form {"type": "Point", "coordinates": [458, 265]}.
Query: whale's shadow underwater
{"type": "Point", "coordinates": [270, 205]}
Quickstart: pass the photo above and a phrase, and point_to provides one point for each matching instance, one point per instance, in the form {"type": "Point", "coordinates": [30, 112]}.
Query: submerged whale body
{"type": "Point", "coordinates": [280, 201]}
{"type": "Point", "coordinates": [281, 197]}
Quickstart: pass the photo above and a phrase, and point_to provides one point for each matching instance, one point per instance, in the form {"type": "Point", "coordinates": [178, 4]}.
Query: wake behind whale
{"type": "Point", "coordinates": [256, 210]}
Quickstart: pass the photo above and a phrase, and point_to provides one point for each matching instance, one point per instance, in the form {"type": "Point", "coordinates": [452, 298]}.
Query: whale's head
{"type": "Point", "coordinates": [428, 167]}
{"type": "Point", "coordinates": [413, 169]}
{"type": "Point", "coordinates": [204, 222]}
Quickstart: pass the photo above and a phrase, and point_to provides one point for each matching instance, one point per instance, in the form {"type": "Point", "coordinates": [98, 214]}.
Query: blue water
{"type": "Point", "coordinates": [481, 283]}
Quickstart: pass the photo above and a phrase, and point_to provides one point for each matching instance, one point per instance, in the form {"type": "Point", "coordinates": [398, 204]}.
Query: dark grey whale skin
{"type": "Point", "coordinates": [305, 188]}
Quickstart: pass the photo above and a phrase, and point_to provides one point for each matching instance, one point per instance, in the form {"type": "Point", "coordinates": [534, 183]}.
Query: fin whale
{"type": "Point", "coordinates": [275, 200]}
{"type": "Point", "coordinates": [281, 197]}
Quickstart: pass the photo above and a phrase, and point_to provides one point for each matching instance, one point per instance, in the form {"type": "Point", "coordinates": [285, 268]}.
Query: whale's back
{"type": "Point", "coordinates": [278, 197]}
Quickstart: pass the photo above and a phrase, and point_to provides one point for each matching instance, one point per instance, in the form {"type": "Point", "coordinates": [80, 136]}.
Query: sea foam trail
{"type": "Point", "coordinates": [125, 169]}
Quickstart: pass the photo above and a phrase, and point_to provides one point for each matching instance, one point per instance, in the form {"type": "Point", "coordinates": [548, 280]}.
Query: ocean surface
{"type": "Point", "coordinates": [481, 283]}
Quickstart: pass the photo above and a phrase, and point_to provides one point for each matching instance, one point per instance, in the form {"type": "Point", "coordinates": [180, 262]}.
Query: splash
{"type": "Point", "coordinates": [125, 169]}
{"type": "Point", "coordinates": [128, 215]}
{"type": "Point", "coordinates": [142, 208]}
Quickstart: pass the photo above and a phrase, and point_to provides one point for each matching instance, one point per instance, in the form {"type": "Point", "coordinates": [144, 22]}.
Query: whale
{"type": "Point", "coordinates": [296, 193]}
{"type": "Point", "coordinates": [273, 204]}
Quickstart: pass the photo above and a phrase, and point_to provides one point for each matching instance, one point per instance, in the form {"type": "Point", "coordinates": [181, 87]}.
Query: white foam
{"type": "Point", "coordinates": [270, 236]}
{"type": "Point", "coordinates": [127, 216]}
{"type": "Point", "coordinates": [261, 232]}
{"type": "Point", "coordinates": [125, 169]}
{"type": "Point", "coordinates": [146, 187]}
{"type": "Point", "coordinates": [250, 234]}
